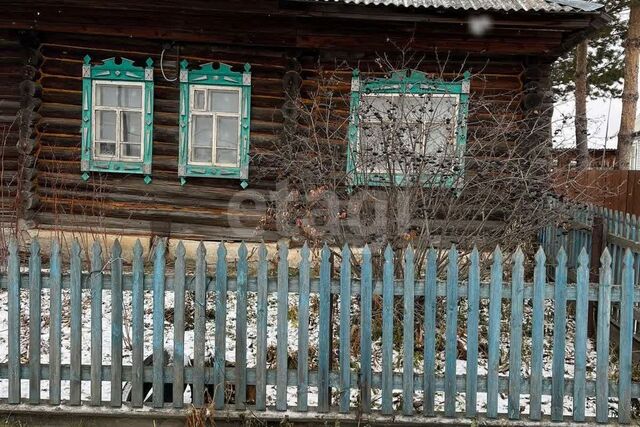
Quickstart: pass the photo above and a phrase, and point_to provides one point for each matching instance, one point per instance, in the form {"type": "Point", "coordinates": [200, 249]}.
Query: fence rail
{"type": "Point", "coordinates": [419, 301]}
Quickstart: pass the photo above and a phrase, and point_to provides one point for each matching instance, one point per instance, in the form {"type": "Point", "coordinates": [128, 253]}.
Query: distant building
{"type": "Point", "coordinates": [599, 158]}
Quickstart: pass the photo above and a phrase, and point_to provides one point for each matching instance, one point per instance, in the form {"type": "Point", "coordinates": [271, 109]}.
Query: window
{"type": "Point", "coordinates": [407, 128]}
{"type": "Point", "coordinates": [214, 134]}
{"type": "Point", "coordinates": [117, 122]}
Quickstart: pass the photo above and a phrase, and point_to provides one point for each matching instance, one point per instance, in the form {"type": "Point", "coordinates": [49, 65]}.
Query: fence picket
{"type": "Point", "coordinates": [366, 302]}
{"type": "Point", "coordinates": [75, 302]}
{"type": "Point", "coordinates": [345, 330]}
{"type": "Point", "coordinates": [407, 332]}
{"type": "Point", "coordinates": [282, 338]}
{"type": "Point", "coordinates": [261, 330]}
{"type": "Point", "coordinates": [515, 335]}
{"type": "Point", "coordinates": [219, 360]}
{"type": "Point", "coordinates": [582, 314]}
{"type": "Point", "coordinates": [430, 332]}
{"type": "Point", "coordinates": [451, 333]}
{"type": "Point", "coordinates": [137, 326]}
{"type": "Point", "coordinates": [55, 334]}
{"type": "Point", "coordinates": [602, 339]}
{"type": "Point", "coordinates": [537, 336]}
{"type": "Point", "coordinates": [559, 337]}
{"type": "Point", "coordinates": [96, 324]}
{"type": "Point", "coordinates": [13, 317]}
{"type": "Point", "coordinates": [387, 332]}
{"type": "Point", "coordinates": [495, 305]}
{"type": "Point", "coordinates": [35, 297]}
{"type": "Point", "coordinates": [158, 324]}
{"type": "Point", "coordinates": [199, 326]}
{"type": "Point", "coordinates": [472, 334]}
{"type": "Point", "coordinates": [178, 326]}
{"type": "Point", "coordinates": [116, 324]}
{"type": "Point", "coordinates": [626, 340]}
{"type": "Point", "coordinates": [324, 392]}
{"type": "Point", "coordinates": [241, 328]}
{"type": "Point", "coordinates": [303, 330]}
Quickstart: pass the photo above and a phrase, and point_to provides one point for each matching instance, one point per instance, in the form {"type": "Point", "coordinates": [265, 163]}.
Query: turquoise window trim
{"type": "Point", "coordinates": [110, 71]}
{"type": "Point", "coordinates": [221, 76]}
{"type": "Point", "coordinates": [406, 82]}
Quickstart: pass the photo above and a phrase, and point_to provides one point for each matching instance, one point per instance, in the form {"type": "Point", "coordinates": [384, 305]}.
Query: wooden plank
{"type": "Point", "coordinates": [407, 332]}
{"type": "Point", "coordinates": [13, 318]}
{"type": "Point", "coordinates": [199, 327]}
{"type": "Point", "coordinates": [303, 330]}
{"type": "Point", "coordinates": [220, 330]}
{"type": "Point", "coordinates": [495, 305]}
{"type": "Point", "coordinates": [282, 323]}
{"type": "Point", "coordinates": [55, 334]}
{"type": "Point", "coordinates": [473, 320]}
{"type": "Point", "coordinates": [345, 330]}
{"type": "Point", "coordinates": [178, 327]}
{"type": "Point", "coordinates": [35, 317]}
{"type": "Point", "coordinates": [137, 326]}
{"type": "Point", "coordinates": [366, 304]}
{"type": "Point", "coordinates": [387, 333]}
{"type": "Point", "coordinates": [116, 324]}
{"type": "Point", "coordinates": [451, 335]}
{"type": "Point", "coordinates": [324, 330]}
{"type": "Point", "coordinates": [241, 328]}
{"type": "Point", "coordinates": [602, 339]}
{"type": "Point", "coordinates": [626, 340]}
{"type": "Point", "coordinates": [582, 313]}
{"type": "Point", "coordinates": [158, 324]}
{"type": "Point", "coordinates": [96, 324]}
{"type": "Point", "coordinates": [515, 335]}
{"type": "Point", "coordinates": [261, 330]}
{"type": "Point", "coordinates": [559, 337]}
{"type": "Point", "coordinates": [537, 337]}
{"type": "Point", "coordinates": [430, 332]}
{"type": "Point", "coordinates": [76, 324]}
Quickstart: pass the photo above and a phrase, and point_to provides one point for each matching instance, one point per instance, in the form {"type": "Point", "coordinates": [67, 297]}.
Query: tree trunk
{"type": "Point", "coordinates": [582, 147]}
{"type": "Point", "coordinates": [630, 90]}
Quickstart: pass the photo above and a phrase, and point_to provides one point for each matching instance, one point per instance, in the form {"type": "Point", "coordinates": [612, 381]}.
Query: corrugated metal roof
{"type": "Point", "coordinates": [487, 5]}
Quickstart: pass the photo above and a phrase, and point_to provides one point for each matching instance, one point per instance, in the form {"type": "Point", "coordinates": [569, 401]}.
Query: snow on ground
{"type": "Point", "coordinates": [292, 342]}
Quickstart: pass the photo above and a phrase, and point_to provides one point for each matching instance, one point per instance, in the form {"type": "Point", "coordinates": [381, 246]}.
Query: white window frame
{"type": "Point", "coordinates": [214, 116]}
{"type": "Point", "coordinates": [118, 110]}
{"type": "Point", "coordinates": [362, 168]}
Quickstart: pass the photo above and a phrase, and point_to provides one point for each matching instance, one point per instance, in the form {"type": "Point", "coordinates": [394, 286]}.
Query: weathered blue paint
{"type": "Point", "coordinates": [626, 340]}
{"type": "Point", "coordinates": [495, 305]}
{"type": "Point", "coordinates": [407, 332]}
{"type": "Point", "coordinates": [137, 326]}
{"type": "Point", "coordinates": [199, 325]}
{"type": "Point", "coordinates": [35, 317]}
{"type": "Point", "coordinates": [387, 332]}
{"type": "Point", "coordinates": [261, 330]}
{"type": "Point", "coordinates": [430, 332]}
{"type": "Point", "coordinates": [282, 352]}
{"type": "Point", "coordinates": [366, 301]}
{"type": "Point", "coordinates": [345, 330]}
{"type": "Point", "coordinates": [303, 330]}
{"type": "Point", "coordinates": [324, 330]}
{"type": "Point", "coordinates": [13, 308]}
{"type": "Point", "coordinates": [451, 334]}
{"type": "Point", "coordinates": [76, 324]}
{"type": "Point", "coordinates": [55, 334]}
{"type": "Point", "coordinates": [178, 326]}
{"type": "Point", "coordinates": [220, 327]}
{"type": "Point", "coordinates": [96, 324]}
{"type": "Point", "coordinates": [515, 335]}
{"type": "Point", "coordinates": [241, 328]}
{"type": "Point", "coordinates": [559, 337]}
{"type": "Point", "coordinates": [537, 336]}
{"type": "Point", "coordinates": [158, 324]}
{"type": "Point", "coordinates": [116, 324]}
{"type": "Point", "coordinates": [602, 340]}
{"type": "Point", "coordinates": [580, 347]}
{"type": "Point", "coordinates": [473, 318]}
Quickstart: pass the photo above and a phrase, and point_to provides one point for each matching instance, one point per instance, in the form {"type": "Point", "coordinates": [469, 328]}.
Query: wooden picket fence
{"type": "Point", "coordinates": [422, 293]}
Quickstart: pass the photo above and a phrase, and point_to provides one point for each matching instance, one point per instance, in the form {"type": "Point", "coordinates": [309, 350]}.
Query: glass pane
{"type": "Point", "coordinates": [224, 101]}
{"type": "Point", "coordinates": [379, 107]}
{"type": "Point", "coordinates": [131, 126]}
{"type": "Point", "coordinates": [373, 153]}
{"type": "Point", "coordinates": [199, 154]}
{"type": "Point", "coordinates": [198, 99]}
{"type": "Point", "coordinates": [107, 149]}
{"type": "Point", "coordinates": [441, 109]}
{"type": "Point", "coordinates": [439, 142]}
{"type": "Point", "coordinates": [226, 156]}
{"type": "Point", "coordinates": [106, 125]}
{"type": "Point", "coordinates": [202, 131]}
{"type": "Point", "coordinates": [130, 96]}
{"type": "Point", "coordinates": [107, 95]}
{"type": "Point", "coordinates": [227, 132]}
{"type": "Point", "coordinates": [411, 108]}
{"type": "Point", "coordinates": [131, 150]}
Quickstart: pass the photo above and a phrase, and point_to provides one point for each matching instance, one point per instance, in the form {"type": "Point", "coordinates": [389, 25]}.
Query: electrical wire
{"type": "Point", "coordinates": [162, 68]}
